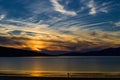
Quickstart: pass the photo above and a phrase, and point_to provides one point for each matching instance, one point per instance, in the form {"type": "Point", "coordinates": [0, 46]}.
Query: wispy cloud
{"type": "Point", "coordinates": [117, 23]}
{"type": "Point", "coordinates": [96, 8]}
{"type": "Point", "coordinates": [51, 26]}
{"type": "Point", "coordinates": [58, 7]}
{"type": "Point", "coordinates": [41, 37]}
{"type": "Point", "coordinates": [2, 16]}
{"type": "Point", "coordinates": [92, 7]}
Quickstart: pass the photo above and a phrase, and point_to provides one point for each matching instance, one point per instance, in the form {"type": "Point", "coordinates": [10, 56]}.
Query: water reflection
{"type": "Point", "coordinates": [35, 66]}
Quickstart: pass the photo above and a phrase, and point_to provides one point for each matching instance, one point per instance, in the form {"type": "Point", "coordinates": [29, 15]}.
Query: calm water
{"type": "Point", "coordinates": [59, 64]}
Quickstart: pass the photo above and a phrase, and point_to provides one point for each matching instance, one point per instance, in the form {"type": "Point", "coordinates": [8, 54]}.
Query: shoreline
{"type": "Point", "coordinates": [60, 75]}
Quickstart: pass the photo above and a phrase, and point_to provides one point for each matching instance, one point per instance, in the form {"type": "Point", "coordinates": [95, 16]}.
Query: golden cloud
{"type": "Point", "coordinates": [39, 36]}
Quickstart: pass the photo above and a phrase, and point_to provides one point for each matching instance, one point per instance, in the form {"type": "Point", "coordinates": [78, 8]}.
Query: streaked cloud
{"type": "Point", "coordinates": [41, 37]}
{"type": "Point", "coordinates": [60, 25]}
{"type": "Point", "coordinates": [92, 7]}
{"type": "Point", "coordinates": [58, 7]}
{"type": "Point", "coordinates": [96, 8]}
{"type": "Point", "coordinates": [117, 23]}
{"type": "Point", "coordinates": [2, 16]}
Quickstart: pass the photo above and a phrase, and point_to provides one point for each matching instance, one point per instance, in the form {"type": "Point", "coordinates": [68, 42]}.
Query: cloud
{"type": "Point", "coordinates": [16, 42]}
{"type": "Point", "coordinates": [96, 8]}
{"type": "Point", "coordinates": [46, 28]}
{"type": "Point", "coordinates": [58, 7]}
{"type": "Point", "coordinates": [40, 37]}
{"type": "Point", "coordinates": [2, 16]}
{"type": "Point", "coordinates": [117, 23]}
{"type": "Point", "coordinates": [92, 7]}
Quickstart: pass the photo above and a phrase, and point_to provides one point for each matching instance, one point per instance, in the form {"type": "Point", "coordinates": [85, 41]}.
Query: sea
{"type": "Point", "coordinates": [62, 65]}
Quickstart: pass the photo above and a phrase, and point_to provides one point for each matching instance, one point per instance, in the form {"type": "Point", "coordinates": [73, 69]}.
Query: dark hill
{"type": "Point", "coordinates": [11, 52]}
{"type": "Point", "coordinates": [105, 52]}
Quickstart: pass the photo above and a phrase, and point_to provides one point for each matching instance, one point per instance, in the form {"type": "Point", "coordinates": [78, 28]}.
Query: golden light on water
{"type": "Point", "coordinates": [36, 74]}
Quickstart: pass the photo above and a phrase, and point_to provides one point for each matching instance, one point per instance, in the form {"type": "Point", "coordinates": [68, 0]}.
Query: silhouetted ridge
{"type": "Point", "coordinates": [11, 52]}
{"type": "Point", "coordinates": [105, 52]}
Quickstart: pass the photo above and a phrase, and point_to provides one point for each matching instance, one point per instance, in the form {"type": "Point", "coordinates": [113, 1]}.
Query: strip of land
{"type": "Point", "coordinates": [50, 78]}
{"type": "Point", "coordinates": [7, 76]}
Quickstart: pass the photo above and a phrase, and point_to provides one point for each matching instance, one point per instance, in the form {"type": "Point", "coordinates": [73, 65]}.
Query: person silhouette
{"type": "Point", "coordinates": [68, 74]}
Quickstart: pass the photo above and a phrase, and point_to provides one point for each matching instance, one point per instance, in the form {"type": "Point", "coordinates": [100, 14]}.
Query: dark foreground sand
{"type": "Point", "coordinates": [50, 78]}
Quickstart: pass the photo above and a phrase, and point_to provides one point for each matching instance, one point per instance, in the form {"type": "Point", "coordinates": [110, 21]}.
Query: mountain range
{"type": "Point", "coordinates": [104, 52]}
{"type": "Point", "coordinates": [11, 52]}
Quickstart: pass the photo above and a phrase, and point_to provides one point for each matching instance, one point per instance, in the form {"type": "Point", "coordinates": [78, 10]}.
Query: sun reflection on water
{"type": "Point", "coordinates": [36, 74]}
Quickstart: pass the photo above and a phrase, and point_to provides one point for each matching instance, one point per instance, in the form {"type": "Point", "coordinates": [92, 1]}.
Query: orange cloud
{"type": "Point", "coordinates": [40, 37]}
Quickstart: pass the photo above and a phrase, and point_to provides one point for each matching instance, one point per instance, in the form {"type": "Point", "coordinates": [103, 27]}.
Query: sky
{"type": "Point", "coordinates": [60, 25]}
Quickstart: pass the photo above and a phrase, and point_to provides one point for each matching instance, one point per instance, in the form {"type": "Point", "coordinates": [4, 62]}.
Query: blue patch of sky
{"type": "Point", "coordinates": [15, 32]}
{"type": "Point", "coordinates": [14, 9]}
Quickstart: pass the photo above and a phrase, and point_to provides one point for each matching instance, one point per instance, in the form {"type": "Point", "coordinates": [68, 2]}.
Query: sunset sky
{"type": "Point", "coordinates": [60, 25]}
